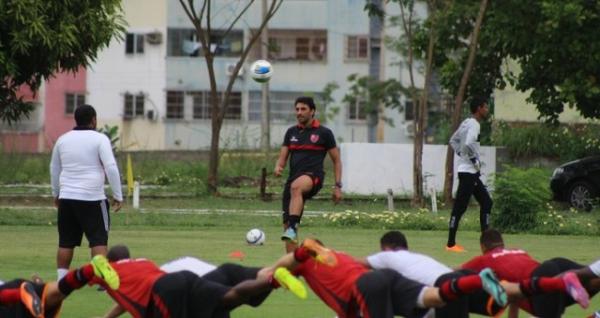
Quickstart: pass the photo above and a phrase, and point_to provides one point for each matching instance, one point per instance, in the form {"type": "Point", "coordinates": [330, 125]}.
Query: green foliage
{"type": "Point", "coordinates": [22, 168]}
{"type": "Point", "coordinates": [551, 40]}
{"type": "Point", "coordinates": [371, 93]}
{"type": "Point", "coordinates": [112, 132]}
{"type": "Point", "coordinates": [566, 142]}
{"type": "Point", "coordinates": [519, 197]}
{"type": "Point", "coordinates": [39, 38]}
{"type": "Point", "coordinates": [329, 110]}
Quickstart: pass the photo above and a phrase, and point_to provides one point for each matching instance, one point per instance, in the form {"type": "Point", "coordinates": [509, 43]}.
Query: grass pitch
{"type": "Point", "coordinates": [31, 249]}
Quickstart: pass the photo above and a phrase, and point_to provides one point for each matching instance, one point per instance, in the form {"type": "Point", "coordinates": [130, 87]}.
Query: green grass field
{"type": "Point", "coordinates": [31, 249]}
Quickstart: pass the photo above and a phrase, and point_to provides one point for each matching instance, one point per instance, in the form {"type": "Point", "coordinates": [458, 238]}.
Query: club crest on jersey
{"type": "Point", "coordinates": [314, 138]}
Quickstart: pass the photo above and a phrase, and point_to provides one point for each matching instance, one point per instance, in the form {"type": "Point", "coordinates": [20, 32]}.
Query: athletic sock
{"type": "Point", "coordinates": [537, 285]}
{"type": "Point", "coordinates": [76, 279]}
{"type": "Point", "coordinates": [293, 222]}
{"type": "Point", "coordinates": [456, 287]}
{"type": "Point", "coordinates": [61, 272]}
{"type": "Point", "coordinates": [10, 296]}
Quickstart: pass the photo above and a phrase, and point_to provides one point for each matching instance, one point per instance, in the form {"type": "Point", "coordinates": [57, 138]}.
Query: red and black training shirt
{"type": "Point", "coordinates": [308, 147]}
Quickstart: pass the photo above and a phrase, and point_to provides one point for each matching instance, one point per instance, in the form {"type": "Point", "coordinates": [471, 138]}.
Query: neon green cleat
{"type": "Point", "coordinates": [104, 270]}
{"type": "Point", "coordinates": [290, 282]}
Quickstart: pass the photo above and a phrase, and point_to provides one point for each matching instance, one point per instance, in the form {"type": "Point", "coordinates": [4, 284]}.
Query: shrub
{"type": "Point", "coordinates": [519, 197]}
{"type": "Point", "coordinates": [564, 142]}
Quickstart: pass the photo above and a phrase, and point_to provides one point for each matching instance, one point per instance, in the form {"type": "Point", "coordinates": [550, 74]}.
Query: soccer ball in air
{"type": "Point", "coordinates": [261, 71]}
{"type": "Point", "coordinates": [255, 237]}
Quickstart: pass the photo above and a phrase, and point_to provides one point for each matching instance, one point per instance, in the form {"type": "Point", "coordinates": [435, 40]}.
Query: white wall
{"type": "Point", "coordinates": [374, 168]}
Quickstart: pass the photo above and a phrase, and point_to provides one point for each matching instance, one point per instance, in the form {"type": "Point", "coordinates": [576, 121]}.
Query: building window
{"type": "Point", "coordinates": [295, 45]}
{"type": "Point", "coordinates": [174, 105]}
{"type": "Point", "coordinates": [357, 47]}
{"type": "Point", "coordinates": [202, 108]}
{"type": "Point", "coordinates": [134, 43]}
{"type": "Point", "coordinates": [72, 101]}
{"type": "Point", "coordinates": [409, 110]}
{"type": "Point", "coordinates": [357, 110]}
{"type": "Point", "coordinates": [184, 42]}
{"type": "Point", "coordinates": [281, 105]}
{"type": "Point", "coordinates": [134, 105]}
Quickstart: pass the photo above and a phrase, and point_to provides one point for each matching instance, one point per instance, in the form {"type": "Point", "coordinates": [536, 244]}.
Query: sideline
{"type": "Point", "coordinates": [178, 211]}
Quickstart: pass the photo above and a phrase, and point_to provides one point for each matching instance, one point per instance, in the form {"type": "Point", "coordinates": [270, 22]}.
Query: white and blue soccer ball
{"type": "Point", "coordinates": [255, 237]}
{"type": "Point", "coordinates": [261, 71]}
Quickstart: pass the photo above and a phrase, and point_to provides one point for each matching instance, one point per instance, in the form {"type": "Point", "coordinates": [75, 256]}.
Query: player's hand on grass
{"type": "Point", "coordinates": [116, 205]}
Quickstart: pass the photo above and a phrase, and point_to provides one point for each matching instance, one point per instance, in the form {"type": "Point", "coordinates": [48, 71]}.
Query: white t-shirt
{"type": "Point", "coordinates": [418, 267]}
{"type": "Point", "coordinates": [80, 159]}
{"type": "Point", "coordinates": [595, 268]}
{"type": "Point", "coordinates": [465, 142]}
{"type": "Point", "coordinates": [188, 263]}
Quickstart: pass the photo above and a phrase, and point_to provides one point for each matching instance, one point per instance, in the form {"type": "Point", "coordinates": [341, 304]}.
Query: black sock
{"type": "Point", "coordinates": [293, 222]}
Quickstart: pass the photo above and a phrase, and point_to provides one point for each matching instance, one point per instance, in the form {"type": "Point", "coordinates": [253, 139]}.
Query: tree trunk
{"type": "Point", "coordinates": [458, 100]}
{"type": "Point", "coordinates": [420, 123]}
{"type": "Point", "coordinates": [213, 157]}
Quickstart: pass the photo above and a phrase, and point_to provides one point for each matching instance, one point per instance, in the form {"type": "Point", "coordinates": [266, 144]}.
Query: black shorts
{"type": "Point", "coordinates": [185, 294]}
{"type": "Point", "coordinates": [385, 293]}
{"type": "Point", "coordinates": [317, 178]}
{"type": "Point", "coordinates": [552, 304]}
{"type": "Point", "coordinates": [76, 217]}
{"type": "Point", "coordinates": [230, 274]}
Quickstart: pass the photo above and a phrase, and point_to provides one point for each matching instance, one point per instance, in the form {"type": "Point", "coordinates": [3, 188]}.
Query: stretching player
{"type": "Point", "coordinates": [226, 274]}
{"type": "Point", "coordinates": [350, 289]}
{"type": "Point", "coordinates": [544, 296]}
{"type": "Point", "coordinates": [426, 270]}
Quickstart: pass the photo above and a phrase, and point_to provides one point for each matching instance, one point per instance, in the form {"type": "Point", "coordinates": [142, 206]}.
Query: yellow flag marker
{"type": "Point", "coordinates": [129, 176]}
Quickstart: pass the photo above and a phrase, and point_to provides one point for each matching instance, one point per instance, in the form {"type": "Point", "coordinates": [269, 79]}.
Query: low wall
{"type": "Point", "coordinates": [375, 168]}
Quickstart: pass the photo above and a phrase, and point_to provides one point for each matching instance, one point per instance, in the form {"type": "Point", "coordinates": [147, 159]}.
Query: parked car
{"type": "Point", "coordinates": [577, 182]}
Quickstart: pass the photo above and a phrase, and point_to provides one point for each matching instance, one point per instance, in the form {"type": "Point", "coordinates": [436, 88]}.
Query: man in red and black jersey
{"type": "Point", "coordinates": [306, 144]}
{"type": "Point", "coordinates": [546, 297]}
{"type": "Point", "coordinates": [144, 290]}
{"type": "Point", "coordinates": [352, 290]}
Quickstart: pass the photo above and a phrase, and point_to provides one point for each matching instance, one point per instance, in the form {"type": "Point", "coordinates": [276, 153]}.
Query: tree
{"type": "Point", "coordinates": [204, 32]}
{"type": "Point", "coordinates": [39, 38]}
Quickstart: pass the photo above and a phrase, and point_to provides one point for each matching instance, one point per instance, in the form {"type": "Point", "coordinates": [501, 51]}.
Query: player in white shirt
{"type": "Point", "coordinates": [465, 142]}
{"type": "Point", "coordinates": [80, 160]}
{"type": "Point", "coordinates": [426, 270]}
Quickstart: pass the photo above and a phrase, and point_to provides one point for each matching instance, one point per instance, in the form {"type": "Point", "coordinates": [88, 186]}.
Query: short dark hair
{"type": "Point", "coordinates": [477, 102]}
{"type": "Point", "coordinates": [491, 239]}
{"type": "Point", "coordinates": [306, 100]}
{"type": "Point", "coordinates": [394, 240]}
{"type": "Point", "coordinates": [117, 253]}
{"type": "Point", "coordinates": [84, 115]}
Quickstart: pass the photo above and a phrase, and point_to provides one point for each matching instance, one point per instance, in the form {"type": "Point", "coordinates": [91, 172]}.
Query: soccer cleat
{"type": "Point", "coordinates": [320, 253]}
{"type": "Point", "coordinates": [290, 235]}
{"type": "Point", "coordinates": [492, 286]}
{"type": "Point", "coordinates": [455, 248]}
{"type": "Point", "coordinates": [31, 300]}
{"type": "Point", "coordinates": [104, 270]}
{"type": "Point", "coordinates": [288, 281]}
{"type": "Point", "coordinates": [575, 290]}
{"type": "Point", "coordinates": [595, 315]}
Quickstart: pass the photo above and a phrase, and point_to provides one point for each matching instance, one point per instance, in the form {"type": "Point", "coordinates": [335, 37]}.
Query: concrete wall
{"type": "Point", "coordinates": [116, 73]}
{"type": "Point", "coordinates": [374, 168]}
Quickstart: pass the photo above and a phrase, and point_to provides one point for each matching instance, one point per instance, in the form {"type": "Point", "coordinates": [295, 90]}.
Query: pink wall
{"type": "Point", "coordinates": [20, 142]}
{"type": "Point", "coordinates": [56, 121]}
